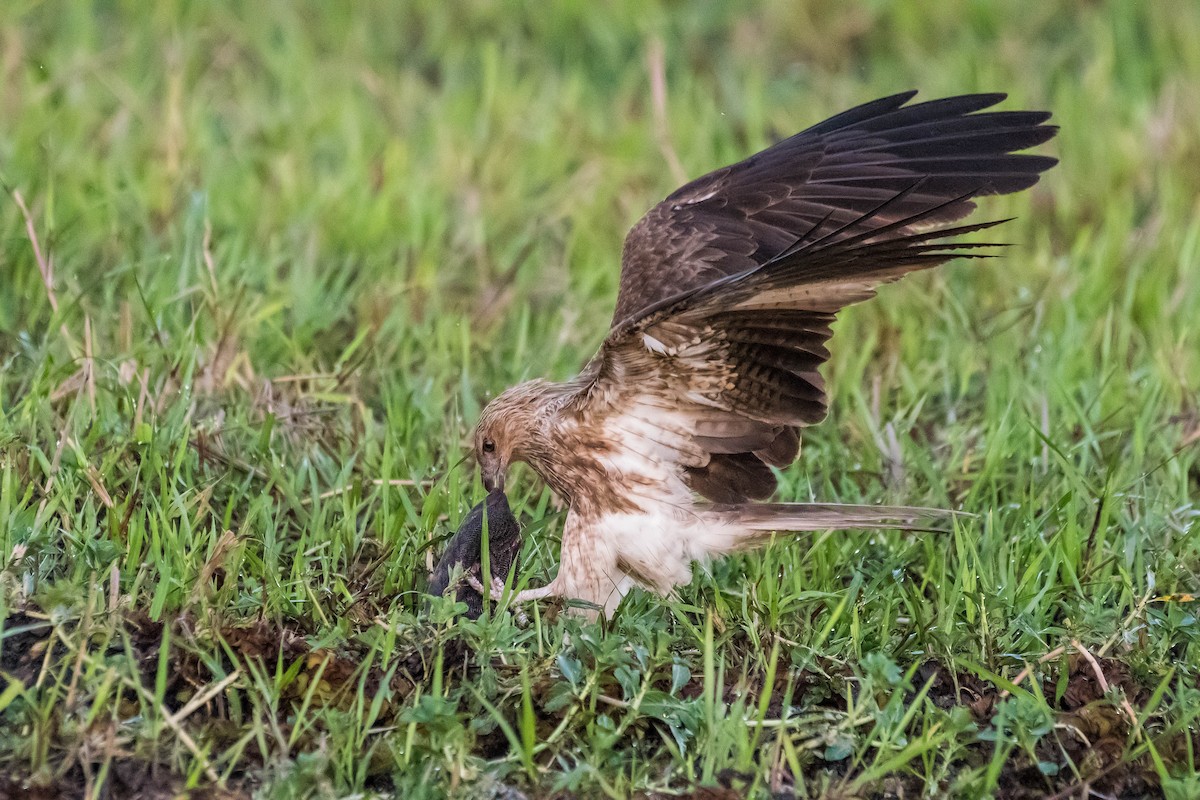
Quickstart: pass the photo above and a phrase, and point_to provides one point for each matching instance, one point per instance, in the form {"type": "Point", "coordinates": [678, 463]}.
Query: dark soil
{"type": "Point", "coordinates": [1086, 749]}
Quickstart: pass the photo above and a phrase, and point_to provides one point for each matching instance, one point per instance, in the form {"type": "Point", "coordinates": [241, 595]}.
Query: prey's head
{"type": "Point", "coordinates": [509, 430]}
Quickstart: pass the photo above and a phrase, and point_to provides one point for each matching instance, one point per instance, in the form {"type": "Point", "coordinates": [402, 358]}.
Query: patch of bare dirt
{"type": "Point", "coordinates": [128, 779]}
{"type": "Point", "coordinates": [1091, 698]}
{"type": "Point", "coordinates": [326, 677]}
{"type": "Point", "coordinates": [1090, 733]}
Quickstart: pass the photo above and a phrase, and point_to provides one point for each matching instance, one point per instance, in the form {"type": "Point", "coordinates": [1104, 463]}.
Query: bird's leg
{"type": "Point", "coordinates": [540, 593]}
{"type": "Point", "coordinates": [497, 592]}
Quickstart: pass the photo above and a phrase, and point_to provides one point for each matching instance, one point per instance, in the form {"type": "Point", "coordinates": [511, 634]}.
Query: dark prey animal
{"type": "Point", "coordinates": [465, 550]}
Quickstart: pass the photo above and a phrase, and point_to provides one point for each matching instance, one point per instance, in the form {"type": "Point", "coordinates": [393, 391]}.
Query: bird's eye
{"type": "Point", "coordinates": [489, 446]}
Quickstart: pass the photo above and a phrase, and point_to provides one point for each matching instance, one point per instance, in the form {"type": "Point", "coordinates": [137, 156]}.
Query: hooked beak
{"type": "Point", "coordinates": [493, 480]}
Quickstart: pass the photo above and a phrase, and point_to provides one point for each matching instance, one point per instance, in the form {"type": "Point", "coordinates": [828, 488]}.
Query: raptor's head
{"type": "Point", "coordinates": [508, 431]}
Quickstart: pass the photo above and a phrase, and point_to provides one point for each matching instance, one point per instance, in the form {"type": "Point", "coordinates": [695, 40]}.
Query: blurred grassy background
{"type": "Point", "coordinates": [294, 250]}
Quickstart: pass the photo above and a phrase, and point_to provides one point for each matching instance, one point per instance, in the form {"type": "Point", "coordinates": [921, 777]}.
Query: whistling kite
{"type": "Point", "coordinates": [711, 367]}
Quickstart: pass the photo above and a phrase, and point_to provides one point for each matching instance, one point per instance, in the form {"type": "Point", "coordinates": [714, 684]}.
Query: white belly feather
{"type": "Point", "coordinates": [606, 554]}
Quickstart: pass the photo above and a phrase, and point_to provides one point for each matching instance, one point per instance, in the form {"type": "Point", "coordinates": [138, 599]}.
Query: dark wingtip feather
{"type": "Point", "coordinates": [859, 113]}
{"type": "Point", "coordinates": [850, 177]}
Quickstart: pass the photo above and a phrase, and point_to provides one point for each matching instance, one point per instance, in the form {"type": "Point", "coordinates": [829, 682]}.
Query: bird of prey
{"type": "Point", "coordinates": [662, 445]}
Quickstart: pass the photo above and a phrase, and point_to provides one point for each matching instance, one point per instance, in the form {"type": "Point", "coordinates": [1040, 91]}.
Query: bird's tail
{"type": "Point", "coordinates": [755, 522]}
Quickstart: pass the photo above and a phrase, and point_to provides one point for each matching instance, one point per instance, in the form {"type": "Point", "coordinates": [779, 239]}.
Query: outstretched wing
{"type": "Point", "coordinates": [818, 181]}
{"type": "Point", "coordinates": [729, 287]}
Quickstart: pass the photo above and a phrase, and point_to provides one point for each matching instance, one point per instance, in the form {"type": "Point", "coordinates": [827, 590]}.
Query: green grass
{"type": "Point", "coordinates": [293, 253]}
